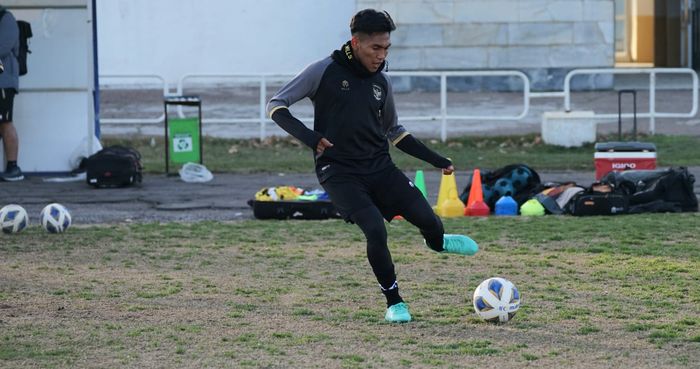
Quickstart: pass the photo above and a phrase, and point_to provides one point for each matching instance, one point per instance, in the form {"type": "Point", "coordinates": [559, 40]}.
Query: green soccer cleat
{"type": "Point", "coordinates": [398, 313]}
{"type": "Point", "coordinates": [459, 244]}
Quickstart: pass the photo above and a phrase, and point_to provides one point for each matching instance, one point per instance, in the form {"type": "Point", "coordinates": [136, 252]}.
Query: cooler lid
{"type": "Point", "coordinates": [625, 146]}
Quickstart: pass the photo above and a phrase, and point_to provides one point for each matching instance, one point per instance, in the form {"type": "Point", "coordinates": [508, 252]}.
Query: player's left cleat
{"type": "Point", "coordinates": [459, 244]}
{"type": "Point", "coordinates": [398, 313]}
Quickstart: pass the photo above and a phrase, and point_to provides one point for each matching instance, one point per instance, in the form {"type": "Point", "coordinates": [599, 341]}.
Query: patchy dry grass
{"type": "Point", "coordinates": [597, 292]}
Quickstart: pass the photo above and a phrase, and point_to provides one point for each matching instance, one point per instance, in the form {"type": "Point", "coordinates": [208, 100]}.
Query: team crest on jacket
{"type": "Point", "coordinates": [377, 92]}
{"type": "Point", "coordinates": [345, 85]}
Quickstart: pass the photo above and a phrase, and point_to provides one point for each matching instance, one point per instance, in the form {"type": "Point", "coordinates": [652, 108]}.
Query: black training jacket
{"type": "Point", "coordinates": [353, 108]}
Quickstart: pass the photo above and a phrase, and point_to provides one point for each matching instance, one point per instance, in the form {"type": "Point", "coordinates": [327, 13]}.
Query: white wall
{"type": "Point", "coordinates": [54, 109]}
{"type": "Point", "coordinates": [172, 38]}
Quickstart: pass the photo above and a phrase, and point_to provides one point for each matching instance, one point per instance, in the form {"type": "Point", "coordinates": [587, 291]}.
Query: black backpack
{"type": "Point", "coordinates": [25, 33]}
{"type": "Point", "coordinates": [114, 166]}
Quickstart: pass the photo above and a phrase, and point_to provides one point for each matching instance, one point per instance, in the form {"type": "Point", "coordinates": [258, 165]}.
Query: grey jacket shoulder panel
{"type": "Point", "coordinates": [305, 84]}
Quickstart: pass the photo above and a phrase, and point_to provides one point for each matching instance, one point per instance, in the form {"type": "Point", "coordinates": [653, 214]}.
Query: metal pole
{"type": "Point", "coordinates": [201, 139]}
{"type": "Point", "coordinates": [634, 116]}
{"type": "Point", "coordinates": [652, 102]}
{"type": "Point", "coordinates": [167, 147]}
{"type": "Point", "coordinates": [567, 90]}
{"type": "Point", "coordinates": [619, 114]}
{"type": "Point", "coordinates": [263, 95]}
{"type": "Point", "coordinates": [695, 93]}
{"type": "Point", "coordinates": [96, 78]}
{"type": "Point", "coordinates": [443, 106]}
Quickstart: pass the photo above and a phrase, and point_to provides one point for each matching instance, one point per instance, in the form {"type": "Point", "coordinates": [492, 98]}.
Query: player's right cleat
{"type": "Point", "coordinates": [459, 244]}
{"type": "Point", "coordinates": [398, 313]}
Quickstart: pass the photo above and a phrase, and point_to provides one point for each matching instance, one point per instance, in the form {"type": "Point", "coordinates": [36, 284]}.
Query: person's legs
{"type": "Point", "coordinates": [400, 196]}
{"type": "Point", "coordinates": [8, 133]}
{"type": "Point", "coordinates": [420, 214]}
{"type": "Point", "coordinates": [351, 198]}
{"type": "Point", "coordinates": [10, 145]}
{"type": "Point", "coordinates": [9, 140]}
{"type": "Point", "coordinates": [371, 223]}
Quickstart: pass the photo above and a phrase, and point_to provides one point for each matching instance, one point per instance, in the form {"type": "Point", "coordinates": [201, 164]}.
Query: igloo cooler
{"type": "Point", "coordinates": [624, 155]}
{"type": "Point", "coordinates": [619, 156]}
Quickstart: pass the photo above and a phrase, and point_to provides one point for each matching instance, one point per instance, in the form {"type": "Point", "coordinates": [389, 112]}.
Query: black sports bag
{"type": "Point", "coordinates": [661, 190]}
{"type": "Point", "coordinates": [114, 166]}
{"type": "Point", "coordinates": [293, 209]}
{"type": "Point", "coordinates": [598, 203]}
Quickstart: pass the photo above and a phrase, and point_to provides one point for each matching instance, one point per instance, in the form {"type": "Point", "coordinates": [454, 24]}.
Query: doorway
{"type": "Point", "coordinates": [656, 33]}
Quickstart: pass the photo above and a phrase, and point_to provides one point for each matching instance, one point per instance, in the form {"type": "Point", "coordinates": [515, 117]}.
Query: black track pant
{"type": "Point", "coordinates": [371, 222]}
{"type": "Point", "coordinates": [367, 200]}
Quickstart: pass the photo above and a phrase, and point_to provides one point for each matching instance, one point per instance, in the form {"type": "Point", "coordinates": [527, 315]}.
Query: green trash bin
{"type": "Point", "coordinates": [184, 140]}
{"type": "Point", "coordinates": [183, 136]}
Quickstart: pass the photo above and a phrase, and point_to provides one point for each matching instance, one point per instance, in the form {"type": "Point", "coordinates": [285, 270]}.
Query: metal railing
{"type": "Point", "coordinates": [262, 80]}
{"type": "Point", "coordinates": [652, 72]}
{"type": "Point", "coordinates": [444, 116]}
{"type": "Point", "coordinates": [131, 78]}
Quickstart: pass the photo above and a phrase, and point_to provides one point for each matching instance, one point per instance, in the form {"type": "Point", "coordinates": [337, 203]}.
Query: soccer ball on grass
{"type": "Point", "coordinates": [55, 218]}
{"type": "Point", "coordinates": [13, 218]}
{"type": "Point", "coordinates": [496, 300]}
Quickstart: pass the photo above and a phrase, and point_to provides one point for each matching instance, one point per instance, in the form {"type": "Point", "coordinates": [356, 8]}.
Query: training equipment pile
{"type": "Point", "coordinates": [626, 192]}
{"type": "Point", "coordinates": [290, 202]}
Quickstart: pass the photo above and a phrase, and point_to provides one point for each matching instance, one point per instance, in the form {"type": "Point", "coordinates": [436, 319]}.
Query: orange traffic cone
{"type": "Point", "coordinates": [476, 206]}
{"type": "Point", "coordinates": [448, 204]}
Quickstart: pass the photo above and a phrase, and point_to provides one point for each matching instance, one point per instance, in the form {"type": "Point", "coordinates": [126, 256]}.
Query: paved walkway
{"type": "Point", "coordinates": [165, 199]}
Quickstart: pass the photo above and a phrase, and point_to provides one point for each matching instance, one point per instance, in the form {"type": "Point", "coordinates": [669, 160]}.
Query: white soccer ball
{"type": "Point", "coordinates": [496, 300]}
{"type": "Point", "coordinates": [55, 218]}
{"type": "Point", "coordinates": [13, 218]}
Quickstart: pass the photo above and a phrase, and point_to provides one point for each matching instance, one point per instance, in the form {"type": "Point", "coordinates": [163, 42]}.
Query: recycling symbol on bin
{"type": "Point", "coordinates": [182, 143]}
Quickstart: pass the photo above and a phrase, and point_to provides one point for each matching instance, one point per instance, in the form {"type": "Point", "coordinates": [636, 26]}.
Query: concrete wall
{"type": "Point", "coordinates": [176, 37]}
{"type": "Point", "coordinates": [544, 38]}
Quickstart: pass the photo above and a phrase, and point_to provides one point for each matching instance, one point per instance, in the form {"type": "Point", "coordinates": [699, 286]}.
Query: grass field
{"type": "Point", "coordinates": [597, 292]}
{"type": "Point", "coordinates": [288, 155]}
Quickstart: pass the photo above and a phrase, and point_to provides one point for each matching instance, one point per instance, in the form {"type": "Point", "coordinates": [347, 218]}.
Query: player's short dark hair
{"type": "Point", "coordinates": [371, 21]}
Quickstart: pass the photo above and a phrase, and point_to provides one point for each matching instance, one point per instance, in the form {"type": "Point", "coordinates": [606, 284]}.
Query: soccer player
{"type": "Point", "coordinates": [354, 120]}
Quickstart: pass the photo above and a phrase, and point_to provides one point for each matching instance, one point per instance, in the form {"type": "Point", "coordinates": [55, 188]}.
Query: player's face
{"type": "Point", "coordinates": [372, 49]}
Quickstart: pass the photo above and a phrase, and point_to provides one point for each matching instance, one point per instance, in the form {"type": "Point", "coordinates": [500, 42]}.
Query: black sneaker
{"type": "Point", "coordinates": [12, 175]}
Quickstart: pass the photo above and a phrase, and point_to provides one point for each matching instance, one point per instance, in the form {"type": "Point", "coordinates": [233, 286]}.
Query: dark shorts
{"type": "Point", "coordinates": [389, 190]}
{"type": "Point", "coordinates": [7, 98]}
